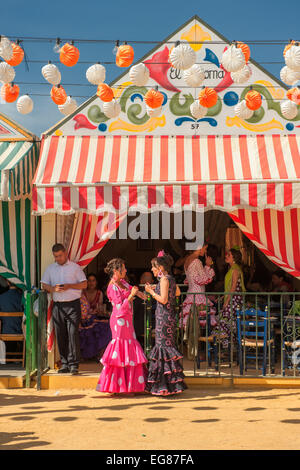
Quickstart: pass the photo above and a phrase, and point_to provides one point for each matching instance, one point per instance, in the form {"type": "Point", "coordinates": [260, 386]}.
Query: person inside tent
{"type": "Point", "coordinates": [11, 301]}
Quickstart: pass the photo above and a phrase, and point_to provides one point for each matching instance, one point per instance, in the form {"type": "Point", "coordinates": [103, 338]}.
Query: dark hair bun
{"type": "Point", "coordinates": [166, 261]}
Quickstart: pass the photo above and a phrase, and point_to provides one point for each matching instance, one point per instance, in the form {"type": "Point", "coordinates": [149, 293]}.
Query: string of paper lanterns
{"type": "Point", "coordinates": [290, 74]}
{"type": "Point", "coordinates": [234, 60]}
{"type": "Point", "coordinates": [13, 54]}
{"type": "Point", "coordinates": [68, 56]}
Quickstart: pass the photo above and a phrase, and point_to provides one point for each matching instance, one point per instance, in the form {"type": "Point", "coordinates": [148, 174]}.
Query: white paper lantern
{"type": "Point", "coordinates": [112, 109]}
{"type": "Point", "coordinates": [139, 74]}
{"type": "Point", "coordinates": [6, 50]}
{"type": "Point", "coordinates": [153, 112]}
{"type": "Point", "coordinates": [24, 104]}
{"type": "Point", "coordinates": [194, 76]}
{"type": "Point", "coordinates": [233, 59]}
{"type": "Point", "coordinates": [52, 74]}
{"type": "Point", "coordinates": [182, 57]}
{"type": "Point", "coordinates": [68, 107]}
{"type": "Point", "coordinates": [95, 74]}
{"type": "Point", "coordinates": [197, 110]}
{"type": "Point", "coordinates": [289, 109]}
{"type": "Point", "coordinates": [242, 110]}
{"type": "Point", "coordinates": [7, 73]}
{"type": "Point", "coordinates": [242, 76]}
{"type": "Point", "coordinates": [292, 58]}
{"type": "Point", "coordinates": [289, 76]}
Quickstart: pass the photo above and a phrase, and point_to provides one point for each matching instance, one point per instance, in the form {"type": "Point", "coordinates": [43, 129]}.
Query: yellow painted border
{"type": "Point", "coordinates": [10, 123]}
{"type": "Point", "coordinates": [88, 382]}
{"type": "Point", "coordinates": [11, 382]}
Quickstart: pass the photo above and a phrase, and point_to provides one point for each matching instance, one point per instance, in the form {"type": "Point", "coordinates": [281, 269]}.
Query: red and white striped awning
{"type": "Point", "coordinates": [90, 173]}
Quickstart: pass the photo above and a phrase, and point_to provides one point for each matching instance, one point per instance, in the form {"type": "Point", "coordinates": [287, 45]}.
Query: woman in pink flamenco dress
{"type": "Point", "coordinates": [197, 277]}
{"type": "Point", "coordinates": [124, 369]}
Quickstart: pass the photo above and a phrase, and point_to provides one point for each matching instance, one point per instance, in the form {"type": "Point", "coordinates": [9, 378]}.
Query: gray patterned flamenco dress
{"type": "Point", "coordinates": [165, 376]}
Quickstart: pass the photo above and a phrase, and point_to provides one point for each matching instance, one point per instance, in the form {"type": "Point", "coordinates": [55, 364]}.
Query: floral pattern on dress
{"type": "Point", "coordinates": [197, 278]}
{"type": "Point", "coordinates": [165, 375]}
{"type": "Point", "coordinates": [226, 328]}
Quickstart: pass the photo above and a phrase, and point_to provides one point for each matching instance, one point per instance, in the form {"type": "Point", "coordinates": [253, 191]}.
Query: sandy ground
{"type": "Point", "coordinates": [198, 419]}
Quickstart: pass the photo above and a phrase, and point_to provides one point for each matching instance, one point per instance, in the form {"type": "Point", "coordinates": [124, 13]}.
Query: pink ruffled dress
{"type": "Point", "coordinates": [197, 277]}
{"type": "Point", "coordinates": [123, 361]}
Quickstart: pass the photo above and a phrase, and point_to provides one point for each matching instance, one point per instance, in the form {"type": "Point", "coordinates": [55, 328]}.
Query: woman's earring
{"type": "Point", "coordinates": [115, 277]}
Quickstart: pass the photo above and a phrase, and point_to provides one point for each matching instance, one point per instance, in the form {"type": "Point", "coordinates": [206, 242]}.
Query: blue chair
{"type": "Point", "coordinates": [252, 333]}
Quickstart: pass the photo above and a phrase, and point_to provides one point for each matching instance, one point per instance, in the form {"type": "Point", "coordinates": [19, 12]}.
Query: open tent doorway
{"type": "Point", "coordinates": [220, 232]}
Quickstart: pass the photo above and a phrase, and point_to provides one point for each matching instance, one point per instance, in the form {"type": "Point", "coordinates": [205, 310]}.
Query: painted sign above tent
{"type": "Point", "coordinates": [176, 117]}
{"type": "Point", "coordinates": [11, 131]}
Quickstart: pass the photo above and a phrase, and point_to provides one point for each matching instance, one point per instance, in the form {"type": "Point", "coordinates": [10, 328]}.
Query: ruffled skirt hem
{"type": "Point", "coordinates": [129, 379]}
{"type": "Point", "coordinates": [165, 375]}
{"type": "Point", "coordinates": [166, 389]}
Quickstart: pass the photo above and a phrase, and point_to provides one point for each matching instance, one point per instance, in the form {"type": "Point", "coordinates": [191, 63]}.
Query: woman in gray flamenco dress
{"type": "Point", "coordinates": [165, 375]}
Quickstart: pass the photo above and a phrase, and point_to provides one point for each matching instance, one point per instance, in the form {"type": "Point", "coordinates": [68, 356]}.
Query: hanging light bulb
{"type": "Point", "coordinates": [56, 48]}
{"type": "Point", "coordinates": [115, 49]}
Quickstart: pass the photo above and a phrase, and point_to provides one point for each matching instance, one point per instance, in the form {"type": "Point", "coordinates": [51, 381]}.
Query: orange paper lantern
{"type": "Point", "coordinates": [69, 55]}
{"type": "Point", "coordinates": [18, 55]}
{"type": "Point", "coordinates": [153, 98]}
{"type": "Point", "coordinates": [9, 92]}
{"type": "Point", "coordinates": [294, 95]}
{"type": "Point", "coordinates": [125, 56]}
{"type": "Point", "coordinates": [246, 50]}
{"type": "Point", "coordinates": [105, 92]}
{"type": "Point", "coordinates": [208, 97]}
{"type": "Point", "coordinates": [253, 100]}
{"type": "Point", "coordinates": [58, 94]}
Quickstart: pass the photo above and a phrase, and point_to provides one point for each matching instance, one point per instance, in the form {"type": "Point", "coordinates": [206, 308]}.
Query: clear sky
{"type": "Point", "coordinates": [131, 20]}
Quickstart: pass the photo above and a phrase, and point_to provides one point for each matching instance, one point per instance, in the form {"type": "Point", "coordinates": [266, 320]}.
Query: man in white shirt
{"type": "Point", "coordinates": [65, 281]}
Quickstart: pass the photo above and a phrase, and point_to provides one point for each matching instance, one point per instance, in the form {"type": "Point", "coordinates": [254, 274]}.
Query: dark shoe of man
{"type": "Point", "coordinates": [63, 370]}
{"type": "Point", "coordinates": [74, 370]}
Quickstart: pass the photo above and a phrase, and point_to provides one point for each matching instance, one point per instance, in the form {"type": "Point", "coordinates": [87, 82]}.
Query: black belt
{"type": "Point", "coordinates": [66, 302]}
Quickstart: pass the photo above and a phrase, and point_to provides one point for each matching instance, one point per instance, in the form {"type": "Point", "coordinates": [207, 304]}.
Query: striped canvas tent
{"type": "Point", "coordinates": [17, 242]}
{"type": "Point", "coordinates": [92, 174]}
{"type": "Point", "coordinates": [17, 163]}
{"type": "Point", "coordinates": [237, 174]}
{"type": "Point", "coordinates": [18, 160]}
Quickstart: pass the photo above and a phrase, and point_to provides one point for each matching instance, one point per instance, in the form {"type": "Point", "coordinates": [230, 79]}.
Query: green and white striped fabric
{"type": "Point", "coordinates": [18, 162]}
{"type": "Point", "coordinates": [17, 242]}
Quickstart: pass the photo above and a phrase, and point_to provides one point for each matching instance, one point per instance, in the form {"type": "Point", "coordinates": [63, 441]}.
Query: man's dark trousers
{"type": "Point", "coordinates": [66, 318]}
